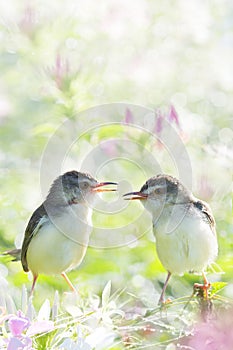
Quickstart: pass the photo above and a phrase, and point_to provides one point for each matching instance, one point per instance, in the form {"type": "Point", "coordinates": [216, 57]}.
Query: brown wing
{"type": "Point", "coordinates": [205, 209]}
{"type": "Point", "coordinates": [32, 228]}
{"type": "Point", "coordinates": [14, 253]}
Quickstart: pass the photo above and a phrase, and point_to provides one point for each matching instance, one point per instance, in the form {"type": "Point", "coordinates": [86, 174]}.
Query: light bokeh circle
{"type": "Point", "coordinates": [110, 146]}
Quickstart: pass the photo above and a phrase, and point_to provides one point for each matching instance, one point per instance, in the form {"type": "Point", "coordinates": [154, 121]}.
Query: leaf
{"type": "Point", "coordinates": [216, 287]}
{"type": "Point", "coordinates": [106, 294]}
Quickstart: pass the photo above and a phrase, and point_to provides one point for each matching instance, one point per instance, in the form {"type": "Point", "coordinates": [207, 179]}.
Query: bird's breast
{"type": "Point", "coordinates": [61, 243]}
{"type": "Point", "coordinates": [75, 223]}
{"type": "Point", "coordinates": [184, 243]}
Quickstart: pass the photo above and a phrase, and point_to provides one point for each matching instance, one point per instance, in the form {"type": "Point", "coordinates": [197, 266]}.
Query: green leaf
{"type": "Point", "coordinates": [216, 287]}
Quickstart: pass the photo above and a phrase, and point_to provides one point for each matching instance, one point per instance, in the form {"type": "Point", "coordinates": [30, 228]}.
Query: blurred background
{"type": "Point", "coordinates": [58, 59]}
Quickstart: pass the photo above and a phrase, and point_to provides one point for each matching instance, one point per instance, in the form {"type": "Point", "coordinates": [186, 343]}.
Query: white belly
{"type": "Point", "coordinates": [59, 246]}
{"type": "Point", "coordinates": [190, 247]}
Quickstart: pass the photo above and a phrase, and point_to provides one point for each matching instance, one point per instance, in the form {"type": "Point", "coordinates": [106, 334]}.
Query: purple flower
{"type": "Point", "coordinates": [18, 324]}
{"type": "Point", "coordinates": [128, 116]}
{"type": "Point", "coordinates": [173, 116]}
{"type": "Point", "coordinates": [61, 70]}
{"type": "Point", "coordinates": [159, 122]}
{"type": "Point", "coordinates": [24, 343]}
{"type": "Point", "coordinates": [28, 22]}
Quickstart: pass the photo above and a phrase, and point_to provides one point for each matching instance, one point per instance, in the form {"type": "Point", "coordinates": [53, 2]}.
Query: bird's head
{"type": "Point", "coordinates": [160, 191]}
{"type": "Point", "coordinates": [75, 187]}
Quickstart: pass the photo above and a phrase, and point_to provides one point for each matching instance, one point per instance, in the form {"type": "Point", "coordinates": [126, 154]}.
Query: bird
{"type": "Point", "coordinates": [183, 226]}
{"type": "Point", "coordinates": [57, 234]}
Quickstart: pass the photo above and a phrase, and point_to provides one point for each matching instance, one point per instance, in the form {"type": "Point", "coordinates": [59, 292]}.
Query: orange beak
{"type": "Point", "coordinates": [135, 195]}
{"type": "Point", "coordinates": [100, 185]}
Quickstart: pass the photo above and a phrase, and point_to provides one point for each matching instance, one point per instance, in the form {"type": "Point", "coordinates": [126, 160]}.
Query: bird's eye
{"type": "Point", "coordinates": [159, 191]}
{"type": "Point", "coordinates": [84, 185]}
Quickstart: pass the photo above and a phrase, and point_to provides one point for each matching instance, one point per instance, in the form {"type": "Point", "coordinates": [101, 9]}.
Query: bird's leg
{"type": "Point", "coordinates": [33, 284]}
{"type": "Point", "coordinates": [205, 303]}
{"type": "Point", "coordinates": [206, 282]}
{"type": "Point", "coordinates": [161, 299]}
{"type": "Point", "coordinates": [69, 282]}
{"type": "Point", "coordinates": [204, 286]}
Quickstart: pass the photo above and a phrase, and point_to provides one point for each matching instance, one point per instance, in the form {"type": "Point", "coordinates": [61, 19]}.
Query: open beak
{"type": "Point", "coordinates": [135, 195]}
{"type": "Point", "coordinates": [100, 187]}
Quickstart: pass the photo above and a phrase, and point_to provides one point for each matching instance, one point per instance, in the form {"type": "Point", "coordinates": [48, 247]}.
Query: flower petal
{"type": "Point", "coordinates": [40, 327]}
{"type": "Point", "coordinates": [18, 324]}
{"type": "Point", "coordinates": [44, 312]}
{"type": "Point", "coordinates": [15, 344]}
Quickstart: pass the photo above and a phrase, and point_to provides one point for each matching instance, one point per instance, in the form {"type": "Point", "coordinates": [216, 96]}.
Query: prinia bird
{"type": "Point", "coordinates": [57, 234]}
{"type": "Point", "coordinates": [183, 225]}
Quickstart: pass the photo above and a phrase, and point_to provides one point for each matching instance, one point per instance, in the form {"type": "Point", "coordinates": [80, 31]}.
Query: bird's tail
{"type": "Point", "coordinates": [14, 253]}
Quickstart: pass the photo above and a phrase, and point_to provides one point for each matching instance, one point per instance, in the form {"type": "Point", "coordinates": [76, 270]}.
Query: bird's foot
{"type": "Point", "coordinates": [201, 289]}
{"type": "Point", "coordinates": [163, 302]}
{"type": "Point", "coordinates": [205, 302]}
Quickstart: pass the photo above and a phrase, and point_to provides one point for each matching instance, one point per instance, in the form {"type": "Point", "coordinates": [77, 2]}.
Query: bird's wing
{"type": "Point", "coordinates": [206, 211]}
{"type": "Point", "coordinates": [14, 253]}
{"type": "Point", "coordinates": [37, 220]}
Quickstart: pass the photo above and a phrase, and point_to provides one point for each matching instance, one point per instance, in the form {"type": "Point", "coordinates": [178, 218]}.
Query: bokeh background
{"type": "Point", "coordinates": [58, 59]}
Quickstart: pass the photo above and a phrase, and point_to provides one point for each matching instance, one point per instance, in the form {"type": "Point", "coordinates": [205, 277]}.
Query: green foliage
{"type": "Point", "coordinates": [58, 59]}
{"type": "Point", "coordinates": [216, 287]}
